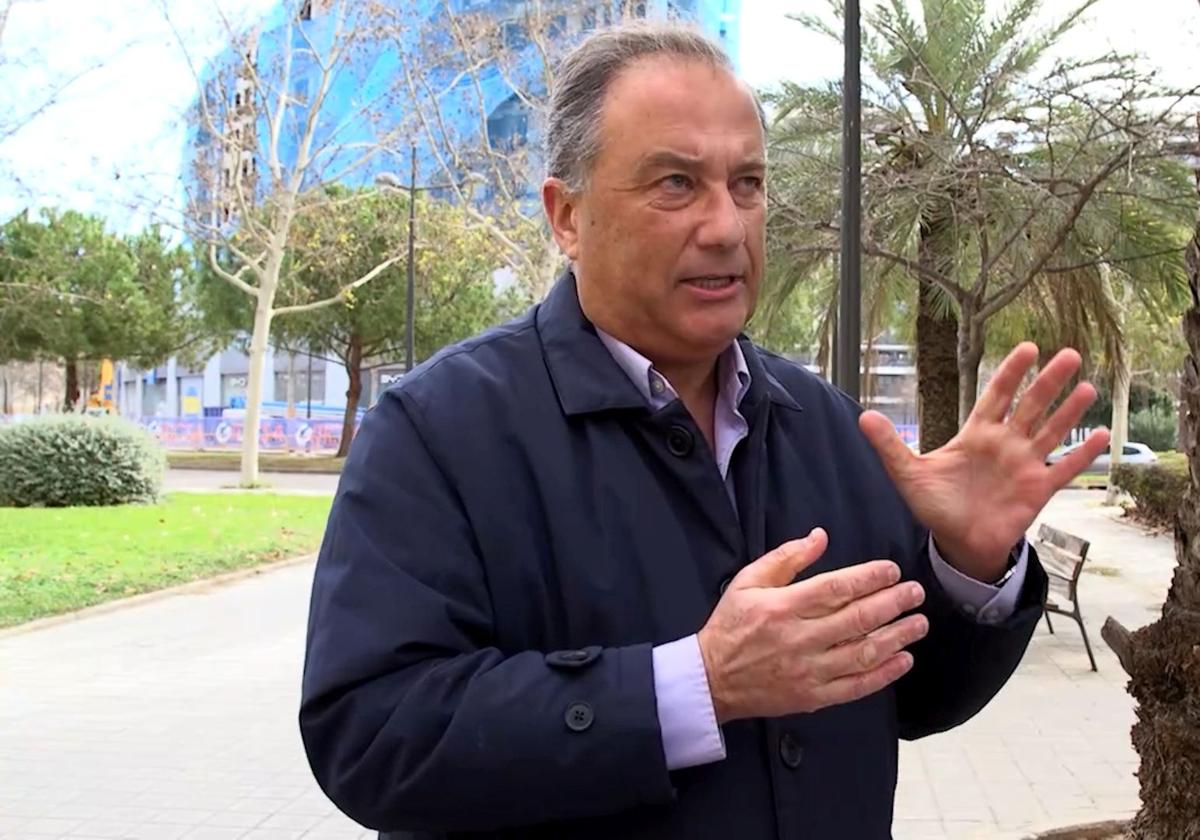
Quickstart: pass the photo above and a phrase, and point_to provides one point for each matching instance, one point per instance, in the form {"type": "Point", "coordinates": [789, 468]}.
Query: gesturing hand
{"type": "Point", "coordinates": [773, 647]}
{"type": "Point", "coordinates": [980, 492]}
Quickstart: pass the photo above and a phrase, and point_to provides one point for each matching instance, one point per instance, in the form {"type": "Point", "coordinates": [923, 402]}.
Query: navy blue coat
{"type": "Point", "coordinates": [515, 529]}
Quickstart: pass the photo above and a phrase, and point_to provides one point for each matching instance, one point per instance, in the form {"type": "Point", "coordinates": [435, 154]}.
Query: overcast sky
{"type": "Point", "coordinates": [114, 138]}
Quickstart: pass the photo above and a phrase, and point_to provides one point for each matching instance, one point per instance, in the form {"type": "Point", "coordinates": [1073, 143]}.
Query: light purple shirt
{"type": "Point", "coordinates": [690, 733]}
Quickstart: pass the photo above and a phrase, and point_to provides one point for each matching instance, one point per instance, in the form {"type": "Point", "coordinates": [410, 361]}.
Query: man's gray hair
{"type": "Point", "coordinates": [583, 77]}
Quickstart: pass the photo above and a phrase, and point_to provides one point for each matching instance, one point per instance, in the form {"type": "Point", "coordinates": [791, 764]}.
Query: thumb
{"type": "Point", "coordinates": [880, 432]}
{"type": "Point", "coordinates": [780, 566]}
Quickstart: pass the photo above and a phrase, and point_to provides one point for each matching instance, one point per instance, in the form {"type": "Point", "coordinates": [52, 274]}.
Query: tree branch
{"type": "Point", "coordinates": [342, 292]}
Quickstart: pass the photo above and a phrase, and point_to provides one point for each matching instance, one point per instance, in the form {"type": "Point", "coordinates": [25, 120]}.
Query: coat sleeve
{"type": "Point", "coordinates": [411, 717]}
{"type": "Point", "coordinates": [961, 664]}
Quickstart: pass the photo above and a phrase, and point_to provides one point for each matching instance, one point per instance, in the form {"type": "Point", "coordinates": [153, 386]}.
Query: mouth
{"type": "Point", "coordinates": [714, 282]}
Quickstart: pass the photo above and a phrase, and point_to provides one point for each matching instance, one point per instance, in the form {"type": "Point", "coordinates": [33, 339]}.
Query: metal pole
{"type": "Point", "coordinates": [849, 326]}
{"type": "Point", "coordinates": [308, 387]}
{"type": "Point", "coordinates": [412, 220]}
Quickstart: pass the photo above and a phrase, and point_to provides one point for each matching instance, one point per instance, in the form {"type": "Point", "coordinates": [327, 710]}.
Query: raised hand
{"type": "Point", "coordinates": [980, 492]}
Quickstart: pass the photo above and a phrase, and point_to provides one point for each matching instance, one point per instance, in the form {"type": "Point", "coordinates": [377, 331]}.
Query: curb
{"type": "Point", "coordinates": [195, 586]}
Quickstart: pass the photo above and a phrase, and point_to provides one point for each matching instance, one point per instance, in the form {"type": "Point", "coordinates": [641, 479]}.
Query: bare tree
{"type": "Point", "coordinates": [479, 86]}
{"type": "Point", "coordinates": [290, 112]}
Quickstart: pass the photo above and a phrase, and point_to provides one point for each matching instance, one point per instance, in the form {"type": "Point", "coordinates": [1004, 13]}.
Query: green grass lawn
{"type": "Point", "coordinates": [53, 560]}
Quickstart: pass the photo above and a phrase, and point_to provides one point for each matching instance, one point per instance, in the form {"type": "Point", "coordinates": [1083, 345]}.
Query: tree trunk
{"type": "Point", "coordinates": [1122, 373]}
{"type": "Point", "coordinates": [353, 393]}
{"type": "Point", "coordinates": [71, 396]}
{"type": "Point", "coordinates": [1163, 659]}
{"type": "Point", "coordinates": [254, 386]}
{"type": "Point", "coordinates": [970, 355]}
{"type": "Point", "coordinates": [937, 343]}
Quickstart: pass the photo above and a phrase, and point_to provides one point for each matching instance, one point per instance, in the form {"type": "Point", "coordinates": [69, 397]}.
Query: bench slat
{"type": "Point", "coordinates": [1068, 542]}
{"type": "Point", "coordinates": [1056, 561]}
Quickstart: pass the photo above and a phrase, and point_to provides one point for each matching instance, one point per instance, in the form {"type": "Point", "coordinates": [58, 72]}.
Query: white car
{"type": "Point", "coordinates": [1132, 453]}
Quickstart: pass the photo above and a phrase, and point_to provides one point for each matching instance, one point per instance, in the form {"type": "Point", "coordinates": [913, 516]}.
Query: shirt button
{"type": "Point", "coordinates": [579, 717]}
{"type": "Point", "coordinates": [656, 385]}
{"type": "Point", "coordinates": [725, 584]}
{"type": "Point", "coordinates": [969, 609]}
{"type": "Point", "coordinates": [790, 751]}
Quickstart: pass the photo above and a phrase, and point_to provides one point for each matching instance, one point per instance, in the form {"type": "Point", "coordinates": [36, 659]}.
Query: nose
{"type": "Point", "coordinates": [721, 227]}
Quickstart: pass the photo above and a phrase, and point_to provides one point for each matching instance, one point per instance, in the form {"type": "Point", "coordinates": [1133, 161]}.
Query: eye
{"type": "Point", "coordinates": [676, 183]}
{"type": "Point", "coordinates": [748, 184]}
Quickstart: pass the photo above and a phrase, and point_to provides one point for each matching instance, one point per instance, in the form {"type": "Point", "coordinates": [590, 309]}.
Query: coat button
{"type": "Point", "coordinates": [790, 750]}
{"type": "Point", "coordinates": [679, 441]}
{"type": "Point", "coordinates": [572, 658]}
{"type": "Point", "coordinates": [579, 717]}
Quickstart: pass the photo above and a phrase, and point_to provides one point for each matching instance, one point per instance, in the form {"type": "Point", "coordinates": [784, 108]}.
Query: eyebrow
{"type": "Point", "coordinates": [665, 159]}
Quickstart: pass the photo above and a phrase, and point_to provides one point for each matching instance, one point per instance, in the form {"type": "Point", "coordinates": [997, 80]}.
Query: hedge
{"type": "Point", "coordinates": [74, 460]}
{"type": "Point", "coordinates": [1157, 489]}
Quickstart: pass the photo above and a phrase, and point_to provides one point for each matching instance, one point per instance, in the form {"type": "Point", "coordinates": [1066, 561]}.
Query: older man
{"type": "Point", "coordinates": [612, 571]}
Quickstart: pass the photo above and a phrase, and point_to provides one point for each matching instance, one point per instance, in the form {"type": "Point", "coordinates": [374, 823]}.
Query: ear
{"type": "Point", "coordinates": [562, 211]}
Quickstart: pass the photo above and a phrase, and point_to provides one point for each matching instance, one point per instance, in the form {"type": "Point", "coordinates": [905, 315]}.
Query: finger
{"type": "Point", "coordinates": [1079, 458]}
{"type": "Point", "coordinates": [858, 686]}
{"type": "Point", "coordinates": [780, 566]}
{"type": "Point", "coordinates": [896, 456]}
{"type": "Point", "coordinates": [1066, 418]}
{"type": "Point", "coordinates": [1044, 390]}
{"type": "Point", "coordinates": [873, 650]}
{"type": "Point", "coordinates": [866, 615]}
{"type": "Point", "coordinates": [825, 594]}
{"type": "Point", "coordinates": [994, 402]}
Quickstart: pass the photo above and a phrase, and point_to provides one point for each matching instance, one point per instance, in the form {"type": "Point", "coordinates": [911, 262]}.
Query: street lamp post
{"type": "Point", "coordinates": [390, 181]}
{"type": "Point", "coordinates": [849, 326]}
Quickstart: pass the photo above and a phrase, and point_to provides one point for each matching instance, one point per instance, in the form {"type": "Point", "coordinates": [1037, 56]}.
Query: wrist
{"type": "Point", "coordinates": [716, 688]}
{"type": "Point", "coordinates": [987, 566]}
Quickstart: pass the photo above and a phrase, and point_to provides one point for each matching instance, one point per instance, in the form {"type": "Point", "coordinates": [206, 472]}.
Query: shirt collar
{"type": "Point", "coordinates": [733, 374]}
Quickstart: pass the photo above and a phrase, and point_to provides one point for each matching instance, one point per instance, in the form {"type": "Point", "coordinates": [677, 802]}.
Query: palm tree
{"type": "Point", "coordinates": [992, 178]}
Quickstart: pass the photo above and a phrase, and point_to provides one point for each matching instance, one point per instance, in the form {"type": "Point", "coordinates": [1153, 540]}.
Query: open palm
{"type": "Point", "coordinates": [980, 492]}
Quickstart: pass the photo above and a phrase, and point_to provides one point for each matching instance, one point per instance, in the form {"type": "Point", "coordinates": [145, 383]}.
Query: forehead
{"type": "Point", "coordinates": [686, 105]}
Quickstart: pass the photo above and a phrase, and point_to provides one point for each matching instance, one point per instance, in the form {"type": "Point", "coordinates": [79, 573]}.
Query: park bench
{"type": "Point", "coordinates": [1062, 557]}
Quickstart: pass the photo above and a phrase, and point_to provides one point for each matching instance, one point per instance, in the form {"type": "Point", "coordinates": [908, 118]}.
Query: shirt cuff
{"type": "Point", "coordinates": [984, 602]}
{"type": "Point", "coordinates": [690, 734]}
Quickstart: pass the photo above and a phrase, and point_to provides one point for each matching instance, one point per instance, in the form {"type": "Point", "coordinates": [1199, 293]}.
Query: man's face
{"type": "Point", "coordinates": [667, 238]}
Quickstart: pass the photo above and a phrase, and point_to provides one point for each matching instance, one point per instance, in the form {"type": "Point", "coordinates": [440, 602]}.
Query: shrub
{"type": "Point", "coordinates": [1157, 489]}
{"type": "Point", "coordinates": [1157, 427]}
{"type": "Point", "coordinates": [72, 460]}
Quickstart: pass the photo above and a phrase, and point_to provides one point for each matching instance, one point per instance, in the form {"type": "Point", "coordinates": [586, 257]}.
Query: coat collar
{"type": "Point", "coordinates": [586, 377]}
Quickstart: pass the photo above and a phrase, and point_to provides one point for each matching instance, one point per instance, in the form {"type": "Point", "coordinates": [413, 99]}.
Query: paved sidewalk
{"type": "Point", "coordinates": [1053, 749]}
{"type": "Point", "coordinates": [176, 718]}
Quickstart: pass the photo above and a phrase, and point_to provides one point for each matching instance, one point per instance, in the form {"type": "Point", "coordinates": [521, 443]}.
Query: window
{"type": "Point", "coordinates": [237, 100]}
{"type": "Point", "coordinates": [233, 390]}
{"type": "Point", "coordinates": [513, 35]}
{"type": "Point", "coordinates": [302, 384]}
{"type": "Point", "coordinates": [228, 178]}
{"type": "Point", "coordinates": [1131, 450]}
{"type": "Point", "coordinates": [245, 169]}
{"type": "Point", "coordinates": [306, 10]}
{"type": "Point", "coordinates": [508, 125]}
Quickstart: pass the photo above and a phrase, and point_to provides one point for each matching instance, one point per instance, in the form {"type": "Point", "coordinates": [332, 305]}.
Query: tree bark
{"type": "Point", "coordinates": [71, 395]}
{"type": "Point", "coordinates": [1165, 656]}
{"type": "Point", "coordinates": [937, 343]}
{"type": "Point", "coordinates": [1122, 374]}
{"type": "Point", "coordinates": [971, 337]}
{"type": "Point", "coordinates": [263, 313]}
{"type": "Point", "coordinates": [353, 362]}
